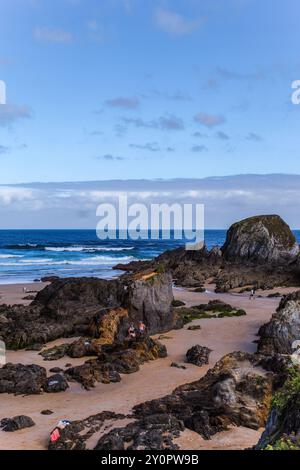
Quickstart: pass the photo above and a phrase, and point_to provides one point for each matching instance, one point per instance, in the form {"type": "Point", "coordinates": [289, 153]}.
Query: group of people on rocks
{"type": "Point", "coordinates": [134, 332]}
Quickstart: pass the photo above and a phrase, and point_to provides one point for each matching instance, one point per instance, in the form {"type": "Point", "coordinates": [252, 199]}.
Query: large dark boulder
{"type": "Point", "coordinates": [76, 297]}
{"type": "Point", "coordinates": [198, 355]}
{"type": "Point", "coordinates": [279, 334]}
{"type": "Point", "coordinates": [265, 238]}
{"type": "Point", "coordinates": [150, 300]}
{"type": "Point", "coordinates": [56, 383]}
{"type": "Point", "coordinates": [22, 379]}
{"type": "Point", "coordinates": [16, 423]}
{"type": "Point", "coordinates": [90, 307]}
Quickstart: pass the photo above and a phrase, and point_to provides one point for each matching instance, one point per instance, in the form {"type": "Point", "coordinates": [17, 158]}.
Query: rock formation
{"type": "Point", "coordinates": [265, 238]}
{"type": "Point", "coordinates": [116, 359]}
{"type": "Point", "coordinates": [16, 423]}
{"type": "Point", "coordinates": [260, 251]}
{"type": "Point", "coordinates": [90, 307]}
{"type": "Point", "coordinates": [198, 355]}
{"type": "Point", "coordinates": [280, 334]}
{"type": "Point", "coordinates": [236, 392]}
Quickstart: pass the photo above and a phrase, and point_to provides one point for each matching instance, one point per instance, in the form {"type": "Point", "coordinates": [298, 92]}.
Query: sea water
{"type": "Point", "coordinates": [28, 255]}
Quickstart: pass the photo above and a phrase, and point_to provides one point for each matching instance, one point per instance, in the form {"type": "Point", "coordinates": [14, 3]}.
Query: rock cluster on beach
{"type": "Point", "coordinates": [259, 251]}
{"type": "Point", "coordinates": [90, 307]}
{"type": "Point", "coordinates": [118, 358]}
{"type": "Point", "coordinates": [236, 392]}
{"type": "Point", "coordinates": [29, 380]}
{"type": "Point", "coordinates": [279, 335]}
{"type": "Point", "coordinates": [242, 389]}
{"type": "Point", "coordinates": [279, 338]}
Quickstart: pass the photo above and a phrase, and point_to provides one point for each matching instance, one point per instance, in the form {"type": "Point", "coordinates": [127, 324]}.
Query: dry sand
{"type": "Point", "coordinates": [154, 380]}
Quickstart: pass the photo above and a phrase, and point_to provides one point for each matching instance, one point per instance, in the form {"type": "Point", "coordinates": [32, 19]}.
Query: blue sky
{"type": "Point", "coordinates": [98, 90]}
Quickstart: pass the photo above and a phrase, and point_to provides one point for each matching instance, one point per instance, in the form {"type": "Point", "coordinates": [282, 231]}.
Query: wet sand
{"type": "Point", "coordinates": [11, 294]}
{"type": "Point", "coordinates": [154, 380]}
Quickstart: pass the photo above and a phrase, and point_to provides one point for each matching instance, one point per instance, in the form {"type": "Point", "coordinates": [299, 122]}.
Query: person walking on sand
{"type": "Point", "coordinates": [252, 294]}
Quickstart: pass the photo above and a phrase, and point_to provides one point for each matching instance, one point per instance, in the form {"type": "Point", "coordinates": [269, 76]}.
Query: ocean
{"type": "Point", "coordinates": [29, 255]}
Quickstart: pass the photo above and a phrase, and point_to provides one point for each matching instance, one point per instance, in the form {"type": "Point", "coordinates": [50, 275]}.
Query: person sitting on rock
{"type": "Point", "coordinates": [142, 328]}
{"type": "Point", "coordinates": [131, 331]}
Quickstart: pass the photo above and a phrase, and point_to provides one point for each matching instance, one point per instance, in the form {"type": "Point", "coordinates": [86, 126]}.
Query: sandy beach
{"type": "Point", "coordinates": [154, 379]}
{"type": "Point", "coordinates": [11, 294]}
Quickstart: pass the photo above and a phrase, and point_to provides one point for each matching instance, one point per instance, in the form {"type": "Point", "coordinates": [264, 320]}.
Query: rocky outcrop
{"type": "Point", "coordinates": [282, 431]}
{"type": "Point", "coordinates": [16, 423]}
{"type": "Point", "coordinates": [22, 379]}
{"type": "Point", "coordinates": [198, 355]}
{"type": "Point", "coordinates": [236, 392]}
{"type": "Point", "coordinates": [259, 252]}
{"type": "Point", "coordinates": [279, 335]}
{"type": "Point", "coordinates": [152, 432]}
{"type": "Point", "coordinates": [90, 307]}
{"type": "Point", "coordinates": [116, 359]}
{"type": "Point", "coordinates": [56, 383]}
{"type": "Point", "coordinates": [76, 435]}
{"type": "Point", "coordinates": [265, 238]}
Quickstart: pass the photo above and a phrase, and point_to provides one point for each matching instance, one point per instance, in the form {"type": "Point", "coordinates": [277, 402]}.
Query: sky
{"type": "Point", "coordinates": [133, 89]}
{"type": "Point", "coordinates": [167, 97]}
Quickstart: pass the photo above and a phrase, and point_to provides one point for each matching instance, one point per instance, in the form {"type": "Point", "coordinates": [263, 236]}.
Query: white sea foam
{"type": "Point", "coordinates": [10, 256]}
{"type": "Point", "coordinates": [93, 261]}
{"type": "Point", "coordinates": [87, 249]}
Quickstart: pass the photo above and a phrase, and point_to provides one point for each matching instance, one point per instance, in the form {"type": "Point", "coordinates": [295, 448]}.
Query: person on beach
{"type": "Point", "coordinates": [252, 294]}
{"type": "Point", "coordinates": [131, 331]}
{"type": "Point", "coordinates": [142, 328]}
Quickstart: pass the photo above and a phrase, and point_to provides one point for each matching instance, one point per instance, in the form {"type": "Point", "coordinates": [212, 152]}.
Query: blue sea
{"type": "Point", "coordinates": [29, 255]}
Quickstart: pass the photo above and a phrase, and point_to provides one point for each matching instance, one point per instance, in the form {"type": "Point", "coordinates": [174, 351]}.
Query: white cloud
{"type": "Point", "coordinates": [174, 23]}
{"type": "Point", "coordinates": [58, 36]}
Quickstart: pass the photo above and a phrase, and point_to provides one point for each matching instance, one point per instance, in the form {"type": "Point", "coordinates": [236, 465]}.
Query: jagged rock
{"type": "Point", "coordinates": [283, 329]}
{"type": "Point", "coordinates": [150, 300]}
{"type": "Point", "coordinates": [16, 423]}
{"type": "Point", "coordinates": [91, 372]}
{"type": "Point", "coordinates": [29, 380]}
{"type": "Point", "coordinates": [260, 252]}
{"type": "Point", "coordinates": [282, 431]}
{"type": "Point", "coordinates": [95, 308]}
{"type": "Point", "coordinates": [194, 327]}
{"type": "Point", "coordinates": [153, 432]}
{"type": "Point", "coordinates": [55, 353]}
{"type": "Point", "coordinates": [21, 379]}
{"type": "Point", "coordinates": [116, 359]}
{"type": "Point", "coordinates": [198, 355]}
{"type": "Point", "coordinates": [265, 238]}
{"type": "Point", "coordinates": [77, 433]}
{"type": "Point", "coordinates": [235, 392]}
{"type": "Point", "coordinates": [56, 383]}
